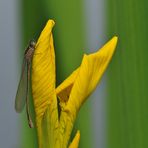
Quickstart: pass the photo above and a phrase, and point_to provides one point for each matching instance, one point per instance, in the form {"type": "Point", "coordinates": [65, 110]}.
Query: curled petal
{"type": "Point", "coordinates": [82, 82]}
{"type": "Point", "coordinates": [90, 72]}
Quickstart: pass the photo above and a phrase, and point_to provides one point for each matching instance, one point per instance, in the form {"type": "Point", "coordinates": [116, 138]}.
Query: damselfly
{"type": "Point", "coordinates": [22, 95]}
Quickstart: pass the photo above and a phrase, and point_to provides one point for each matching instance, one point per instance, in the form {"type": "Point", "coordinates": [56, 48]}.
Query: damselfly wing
{"type": "Point", "coordinates": [22, 95]}
{"type": "Point", "coordinates": [22, 89]}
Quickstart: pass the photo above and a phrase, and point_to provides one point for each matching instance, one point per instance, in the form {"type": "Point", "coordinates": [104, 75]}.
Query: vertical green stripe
{"type": "Point", "coordinates": [33, 20]}
{"type": "Point", "coordinates": [69, 47]}
{"type": "Point", "coordinates": [127, 78]}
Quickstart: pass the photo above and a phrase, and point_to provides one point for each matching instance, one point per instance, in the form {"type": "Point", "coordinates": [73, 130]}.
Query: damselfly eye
{"type": "Point", "coordinates": [32, 43]}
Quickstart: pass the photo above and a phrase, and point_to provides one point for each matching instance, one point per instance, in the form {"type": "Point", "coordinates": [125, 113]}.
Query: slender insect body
{"type": "Point", "coordinates": [22, 96]}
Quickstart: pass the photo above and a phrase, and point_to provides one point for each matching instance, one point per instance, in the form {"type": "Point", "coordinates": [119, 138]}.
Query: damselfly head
{"type": "Point", "coordinates": [32, 43]}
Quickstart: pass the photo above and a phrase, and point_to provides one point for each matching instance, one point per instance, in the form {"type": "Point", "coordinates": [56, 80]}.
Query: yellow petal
{"type": "Point", "coordinates": [43, 82]}
{"type": "Point", "coordinates": [43, 70]}
{"type": "Point", "coordinates": [82, 83]}
{"type": "Point", "coordinates": [75, 142]}
{"type": "Point", "coordinates": [90, 73]}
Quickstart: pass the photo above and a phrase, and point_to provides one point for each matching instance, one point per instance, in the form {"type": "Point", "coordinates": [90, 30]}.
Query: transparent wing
{"type": "Point", "coordinates": [22, 89]}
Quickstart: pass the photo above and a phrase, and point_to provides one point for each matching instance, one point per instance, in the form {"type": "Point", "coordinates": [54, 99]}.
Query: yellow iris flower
{"type": "Point", "coordinates": [54, 129]}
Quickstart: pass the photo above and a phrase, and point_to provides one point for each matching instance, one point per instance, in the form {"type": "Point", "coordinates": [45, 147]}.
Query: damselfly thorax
{"type": "Point", "coordinates": [30, 50]}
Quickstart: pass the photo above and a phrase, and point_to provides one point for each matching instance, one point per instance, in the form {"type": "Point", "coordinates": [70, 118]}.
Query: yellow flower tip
{"type": "Point", "coordinates": [75, 142]}
{"type": "Point", "coordinates": [44, 37]}
{"type": "Point", "coordinates": [115, 40]}
{"type": "Point", "coordinates": [109, 47]}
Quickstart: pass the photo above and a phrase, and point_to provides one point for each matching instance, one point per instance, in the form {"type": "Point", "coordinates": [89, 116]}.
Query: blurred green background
{"type": "Point", "coordinates": [127, 77]}
{"type": "Point", "coordinates": [116, 115]}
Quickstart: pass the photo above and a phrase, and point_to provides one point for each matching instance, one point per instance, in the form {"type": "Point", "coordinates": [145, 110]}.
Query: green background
{"type": "Point", "coordinates": [127, 77]}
